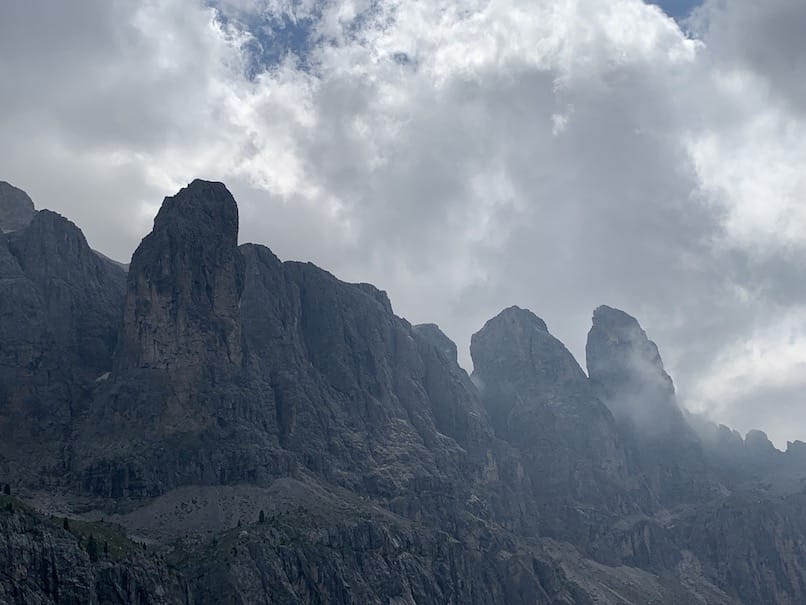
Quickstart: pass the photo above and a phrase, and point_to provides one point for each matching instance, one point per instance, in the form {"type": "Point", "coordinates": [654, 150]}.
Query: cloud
{"type": "Point", "coordinates": [762, 40]}
{"type": "Point", "coordinates": [464, 155]}
{"type": "Point", "coordinates": [761, 379]}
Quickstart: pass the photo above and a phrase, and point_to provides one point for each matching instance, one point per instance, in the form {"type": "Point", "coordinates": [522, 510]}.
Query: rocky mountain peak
{"type": "Point", "coordinates": [80, 291]}
{"type": "Point", "coordinates": [504, 347]}
{"type": "Point", "coordinates": [280, 435]}
{"type": "Point", "coordinates": [515, 346]}
{"type": "Point", "coordinates": [617, 343]}
{"type": "Point", "coordinates": [203, 207]}
{"type": "Point", "coordinates": [514, 320]}
{"type": "Point", "coordinates": [758, 443]}
{"type": "Point", "coordinates": [439, 339]}
{"type": "Point", "coordinates": [629, 375]}
{"type": "Point", "coordinates": [539, 400]}
{"type": "Point", "coordinates": [50, 244]}
{"type": "Point", "coordinates": [16, 207]}
{"type": "Point", "coordinates": [184, 284]}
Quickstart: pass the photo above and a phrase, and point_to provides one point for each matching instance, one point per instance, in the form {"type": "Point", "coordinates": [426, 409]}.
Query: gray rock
{"type": "Point", "coordinates": [216, 382]}
{"type": "Point", "coordinates": [81, 291]}
{"type": "Point", "coordinates": [751, 544]}
{"type": "Point", "coordinates": [184, 284]}
{"type": "Point", "coordinates": [627, 374]}
{"type": "Point", "coordinates": [44, 564]}
{"type": "Point", "coordinates": [542, 404]}
{"type": "Point", "coordinates": [16, 208]}
{"type": "Point", "coordinates": [59, 316]}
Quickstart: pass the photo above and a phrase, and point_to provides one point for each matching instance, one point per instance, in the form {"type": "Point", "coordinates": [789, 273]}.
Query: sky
{"type": "Point", "coordinates": [464, 155]}
{"type": "Point", "coordinates": [678, 9]}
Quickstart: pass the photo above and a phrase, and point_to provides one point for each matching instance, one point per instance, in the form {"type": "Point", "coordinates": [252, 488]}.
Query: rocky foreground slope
{"type": "Point", "coordinates": [219, 426]}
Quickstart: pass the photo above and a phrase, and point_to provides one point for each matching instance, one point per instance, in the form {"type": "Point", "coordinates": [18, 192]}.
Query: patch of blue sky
{"type": "Point", "coordinates": [276, 34]}
{"type": "Point", "coordinates": [678, 9]}
{"type": "Point", "coordinates": [273, 36]}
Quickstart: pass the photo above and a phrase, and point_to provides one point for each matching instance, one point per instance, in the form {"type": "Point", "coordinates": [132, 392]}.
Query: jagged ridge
{"type": "Point", "coordinates": [234, 383]}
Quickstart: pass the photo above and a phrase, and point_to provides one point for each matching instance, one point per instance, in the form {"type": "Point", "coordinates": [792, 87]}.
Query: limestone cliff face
{"type": "Point", "coordinates": [541, 403]}
{"type": "Point", "coordinates": [16, 208]}
{"type": "Point", "coordinates": [629, 375]}
{"type": "Point", "coordinates": [356, 393]}
{"type": "Point", "coordinates": [178, 378]}
{"type": "Point", "coordinates": [246, 369]}
{"type": "Point", "coordinates": [59, 311]}
{"type": "Point", "coordinates": [45, 564]}
{"type": "Point", "coordinates": [752, 544]}
{"type": "Point", "coordinates": [281, 436]}
{"type": "Point", "coordinates": [178, 386]}
{"type": "Point", "coordinates": [81, 291]}
{"type": "Point", "coordinates": [184, 284]}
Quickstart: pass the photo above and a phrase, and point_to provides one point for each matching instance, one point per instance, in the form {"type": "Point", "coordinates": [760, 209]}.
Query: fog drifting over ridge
{"type": "Point", "coordinates": [465, 156]}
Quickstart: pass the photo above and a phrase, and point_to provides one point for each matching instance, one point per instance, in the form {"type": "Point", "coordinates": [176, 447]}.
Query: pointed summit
{"type": "Point", "coordinates": [540, 401]}
{"type": "Point", "coordinates": [524, 371]}
{"type": "Point", "coordinates": [515, 352]}
{"type": "Point", "coordinates": [439, 339]}
{"type": "Point", "coordinates": [16, 208]}
{"type": "Point", "coordinates": [203, 207]}
{"type": "Point", "coordinates": [184, 284]}
{"type": "Point", "coordinates": [629, 375]}
{"type": "Point", "coordinates": [81, 291]}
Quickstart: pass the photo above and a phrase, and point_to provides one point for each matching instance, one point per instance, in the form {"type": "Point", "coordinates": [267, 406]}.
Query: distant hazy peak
{"type": "Point", "coordinates": [16, 207]}
{"type": "Point", "coordinates": [628, 373]}
{"type": "Point", "coordinates": [758, 442]}
{"type": "Point", "coordinates": [439, 339]}
{"type": "Point", "coordinates": [618, 348]}
{"type": "Point", "coordinates": [516, 346]}
{"type": "Point", "coordinates": [515, 318]}
{"type": "Point", "coordinates": [612, 316]}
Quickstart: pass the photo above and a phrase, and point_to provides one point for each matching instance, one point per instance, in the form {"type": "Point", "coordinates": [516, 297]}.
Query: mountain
{"type": "Point", "coordinates": [627, 374]}
{"type": "Point", "coordinates": [219, 426]}
{"type": "Point", "coordinates": [542, 405]}
{"type": "Point", "coordinates": [16, 208]}
{"type": "Point", "coordinates": [59, 313]}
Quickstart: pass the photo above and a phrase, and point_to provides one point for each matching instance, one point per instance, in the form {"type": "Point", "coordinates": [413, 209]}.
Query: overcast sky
{"type": "Point", "coordinates": [464, 155]}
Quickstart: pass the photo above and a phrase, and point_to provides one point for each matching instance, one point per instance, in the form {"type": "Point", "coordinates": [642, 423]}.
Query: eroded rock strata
{"type": "Point", "coordinates": [229, 427]}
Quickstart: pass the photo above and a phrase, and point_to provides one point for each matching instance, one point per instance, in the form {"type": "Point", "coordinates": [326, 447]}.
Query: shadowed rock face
{"type": "Point", "coordinates": [59, 313]}
{"type": "Point", "coordinates": [437, 337]}
{"type": "Point", "coordinates": [357, 394]}
{"type": "Point", "coordinates": [219, 381]}
{"type": "Point", "coordinates": [81, 291]}
{"type": "Point", "coordinates": [16, 208]}
{"type": "Point", "coordinates": [184, 284]}
{"type": "Point", "coordinates": [540, 401]}
{"type": "Point", "coordinates": [628, 372]}
{"type": "Point", "coordinates": [248, 369]}
{"type": "Point", "coordinates": [179, 384]}
{"type": "Point", "coordinates": [522, 368]}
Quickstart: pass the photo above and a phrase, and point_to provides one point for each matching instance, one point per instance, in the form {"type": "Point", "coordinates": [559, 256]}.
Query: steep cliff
{"type": "Point", "coordinates": [48, 561]}
{"type": "Point", "coordinates": [59, 312]}
{"type": "Point", "coordinates": [541, 403]}
{"type": "Point", "coordinates": [276, 435]}
{"type": "Point", "coordinates": [16, 208]}
{"type": "Point", "coordinates": [627, 373]}
{"type": "Point", "coordinates": [184, 284]}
